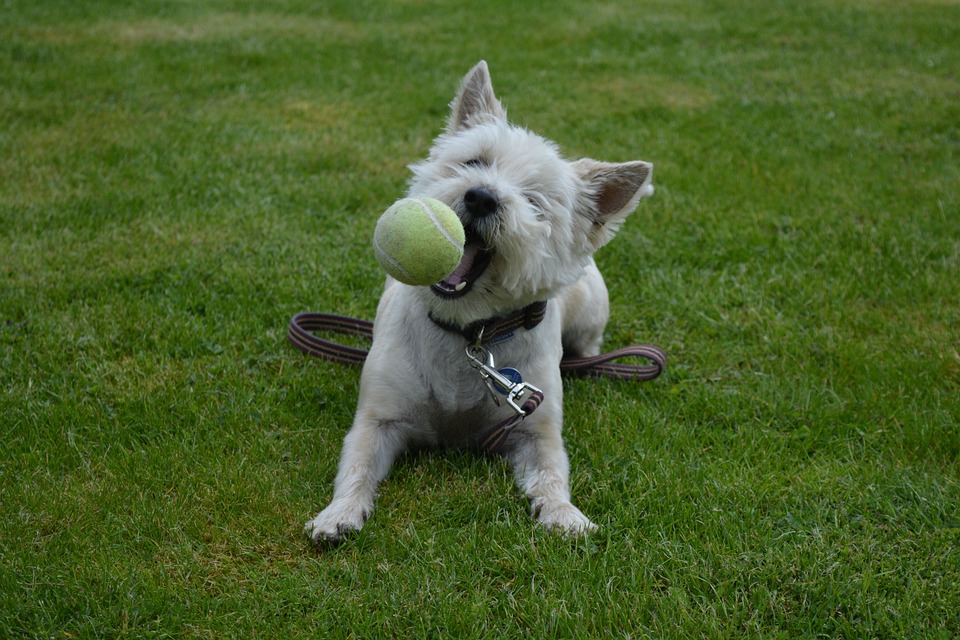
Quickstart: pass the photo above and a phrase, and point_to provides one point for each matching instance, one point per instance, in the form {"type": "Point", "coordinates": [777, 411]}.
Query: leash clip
{"type": "Point", "coordinates": [517, 395]}
{"type": "Point", "coordinates": [514, 388]}
{"type": "Point", "coordinates": [481, 359]}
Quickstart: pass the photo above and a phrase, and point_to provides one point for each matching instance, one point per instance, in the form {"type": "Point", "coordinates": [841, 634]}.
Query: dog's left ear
{"type": "Point", "coordinates": [612, 193]}
{"type": "Point", "coordinates": [476, 101]}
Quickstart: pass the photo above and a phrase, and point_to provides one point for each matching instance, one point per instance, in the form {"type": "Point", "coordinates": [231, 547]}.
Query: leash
{"type": "Point", "coordinates": [303, 325]}
{"type": "Point", "coordinates": [303, 328]}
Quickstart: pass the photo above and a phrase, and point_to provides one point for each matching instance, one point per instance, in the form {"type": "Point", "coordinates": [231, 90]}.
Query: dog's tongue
{"type": "Point", "coordinates": [470, 251]}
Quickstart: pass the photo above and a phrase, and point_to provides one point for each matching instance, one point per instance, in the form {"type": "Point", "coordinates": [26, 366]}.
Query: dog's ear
{"type": "Point", "coordinates": [612, 193]}
{"type": "Point", "coordinates": [476, 101]}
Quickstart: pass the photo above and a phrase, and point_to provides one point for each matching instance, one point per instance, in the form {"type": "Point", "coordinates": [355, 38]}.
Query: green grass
{"type": "Point", "coordinates": [178, 178]}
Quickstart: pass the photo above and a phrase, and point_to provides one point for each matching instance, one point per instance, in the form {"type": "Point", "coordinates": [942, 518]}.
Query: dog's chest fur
{"type": "Point", "coordinates": [438, 392]}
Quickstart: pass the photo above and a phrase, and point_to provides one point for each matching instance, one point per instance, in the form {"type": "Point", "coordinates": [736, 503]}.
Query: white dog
{"type": "Point", "coordinates": [526, 292]}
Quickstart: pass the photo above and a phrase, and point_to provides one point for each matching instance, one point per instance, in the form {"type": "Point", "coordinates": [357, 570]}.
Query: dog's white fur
{"type": "Point", "coordinates": [417, 387]}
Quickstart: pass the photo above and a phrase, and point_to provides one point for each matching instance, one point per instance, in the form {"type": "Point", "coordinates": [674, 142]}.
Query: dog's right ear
{"type": "Point", "coordinates": [612, 192]}
{"type": "Point", "coordinates": [476, 101]}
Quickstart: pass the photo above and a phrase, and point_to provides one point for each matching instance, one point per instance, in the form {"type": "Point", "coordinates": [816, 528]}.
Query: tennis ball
{"type": "Point", "coordinates": [419, 241]}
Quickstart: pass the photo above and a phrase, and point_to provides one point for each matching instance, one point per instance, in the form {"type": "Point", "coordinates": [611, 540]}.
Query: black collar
{"type": "Point", "coordinates": [492, 329]}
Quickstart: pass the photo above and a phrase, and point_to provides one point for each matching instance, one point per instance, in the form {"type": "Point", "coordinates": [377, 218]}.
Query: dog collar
{"type": "Point", "coordinates": [499, 328]}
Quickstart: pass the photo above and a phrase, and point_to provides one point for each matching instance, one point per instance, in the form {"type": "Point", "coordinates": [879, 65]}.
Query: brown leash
{"type": "Point", "coordinates": [303, 326]}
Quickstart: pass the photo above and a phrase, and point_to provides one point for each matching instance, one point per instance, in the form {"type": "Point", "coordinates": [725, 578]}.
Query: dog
{"type": "Point", "coordinates": [526, 292]}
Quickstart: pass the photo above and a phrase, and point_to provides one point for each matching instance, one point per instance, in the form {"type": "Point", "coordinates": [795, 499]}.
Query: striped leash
{"type": "Point", "coordinates": [304, 326]}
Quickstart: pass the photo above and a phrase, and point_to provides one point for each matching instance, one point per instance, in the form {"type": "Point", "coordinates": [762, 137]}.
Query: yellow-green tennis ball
{"type": "Point", "coordinates": [419, 241]}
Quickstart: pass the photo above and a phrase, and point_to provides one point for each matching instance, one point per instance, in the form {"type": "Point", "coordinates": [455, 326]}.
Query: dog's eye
{"type": "Point", "coordinates": [536, 201]}
{"type": "Point", "coordinates": [476, 162]}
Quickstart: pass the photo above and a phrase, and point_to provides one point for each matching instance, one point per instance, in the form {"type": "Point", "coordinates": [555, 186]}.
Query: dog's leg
{"type": "Point", "coordinates": [542, 471]}
{"type": "Point", "coordinates": [584, 310]}
{"type": "Point", "coordinates": [369, 449]}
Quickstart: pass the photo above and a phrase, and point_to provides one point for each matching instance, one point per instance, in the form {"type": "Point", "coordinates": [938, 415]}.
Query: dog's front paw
{"type": "Point", "coordinates": [336, 521]}
{"type": "Point", "coordinates": [564, 518]}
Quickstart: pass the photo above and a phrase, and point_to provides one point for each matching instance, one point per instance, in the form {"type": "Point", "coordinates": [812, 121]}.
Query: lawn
{"type": "Point", "coordinates": [177, 179]}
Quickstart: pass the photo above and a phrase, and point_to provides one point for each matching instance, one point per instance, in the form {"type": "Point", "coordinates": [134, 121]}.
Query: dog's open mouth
{"type": "Point", "coordinates": [476, 258]}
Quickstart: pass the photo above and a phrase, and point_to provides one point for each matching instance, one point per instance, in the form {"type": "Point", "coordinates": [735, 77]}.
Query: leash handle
{"type": "Point", "coordinates": [601, 365]}
{"type": "Point", "coordinates": [301, 328]}
{"type": "Point", "coordinates": [300, 336]}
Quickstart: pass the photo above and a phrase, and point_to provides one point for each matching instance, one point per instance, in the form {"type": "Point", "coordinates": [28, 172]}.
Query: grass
{"type": "Point", "coordinates": [178, 179]}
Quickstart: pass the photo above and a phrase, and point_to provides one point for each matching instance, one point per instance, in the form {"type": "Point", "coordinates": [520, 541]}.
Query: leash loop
{"type": "Point", "coordinates": [301, 330]}
{"type": "Point", "coordinates": [602, 364]}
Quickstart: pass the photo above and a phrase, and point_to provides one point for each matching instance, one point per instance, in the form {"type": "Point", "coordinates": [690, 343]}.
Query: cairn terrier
{"type": "Point", "coordinates": [526, 292]}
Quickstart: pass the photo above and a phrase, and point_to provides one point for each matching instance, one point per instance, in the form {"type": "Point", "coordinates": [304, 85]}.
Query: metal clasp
{"type": "Point", "coordinates": [481, 359]}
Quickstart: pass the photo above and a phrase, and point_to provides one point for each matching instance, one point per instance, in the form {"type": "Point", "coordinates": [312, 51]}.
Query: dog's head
{"type": "Point", "coordinates": [532, 219]}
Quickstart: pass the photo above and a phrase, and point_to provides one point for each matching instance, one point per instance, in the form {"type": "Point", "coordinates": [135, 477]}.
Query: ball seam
{"type": "Point", "coordinates": [436, 222]}
{"type": "Point", "coordinates": [379, 252]}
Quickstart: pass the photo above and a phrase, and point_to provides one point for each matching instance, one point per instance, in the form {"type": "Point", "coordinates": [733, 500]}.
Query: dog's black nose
{"type": "Point", "coordinates": [480, 202]}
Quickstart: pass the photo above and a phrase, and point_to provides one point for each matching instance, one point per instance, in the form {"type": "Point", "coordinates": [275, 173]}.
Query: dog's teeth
{"type": "Point", "coordinates": [460, 286]}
